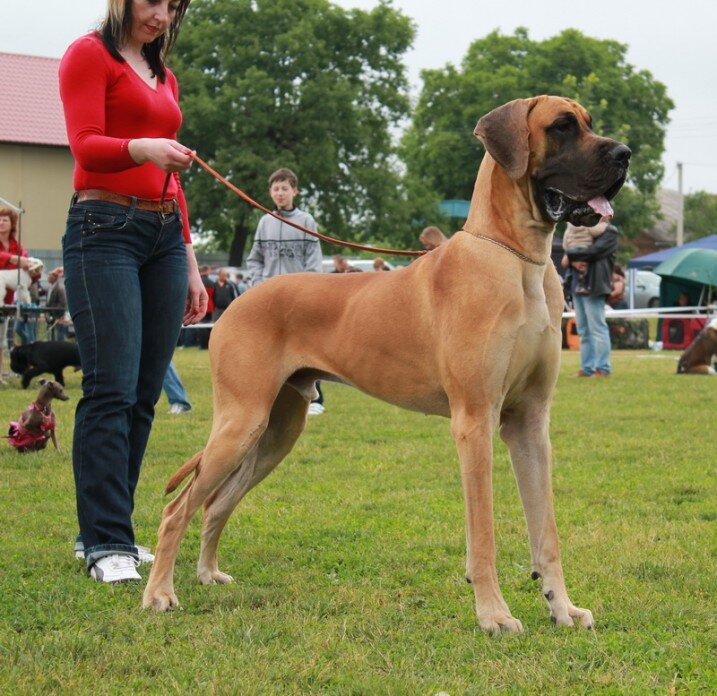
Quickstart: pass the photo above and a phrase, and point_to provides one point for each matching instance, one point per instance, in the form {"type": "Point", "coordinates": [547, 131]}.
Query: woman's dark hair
{"type": "Point", "coordinates": [117, 26]}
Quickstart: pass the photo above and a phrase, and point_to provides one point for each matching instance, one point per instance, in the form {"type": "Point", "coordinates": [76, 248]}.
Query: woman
{"type": "Point", "coordinates": [616, 299]}
{"type": "Point", "coordinates": [12, 257]}
{"type": "Point", "coordinates": [131, 274]}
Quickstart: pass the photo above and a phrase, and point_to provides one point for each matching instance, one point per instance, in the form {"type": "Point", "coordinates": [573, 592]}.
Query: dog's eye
{"type": "Point", "coordinates": [566, 124]}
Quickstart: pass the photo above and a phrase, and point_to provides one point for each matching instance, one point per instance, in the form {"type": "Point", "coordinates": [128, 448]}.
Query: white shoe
{"type": "Point", "coordinates": [115, 569]}
{"type": "Point", "coordinates": [145, 555]}
{"type": "Point", "coordinates": [178, 409]}
{"type": "Point", "coordinates": [316, 409]}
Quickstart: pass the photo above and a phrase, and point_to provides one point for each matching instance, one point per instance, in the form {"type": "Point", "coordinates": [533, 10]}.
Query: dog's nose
{"type": "Point", "coordinates": [620, 153]}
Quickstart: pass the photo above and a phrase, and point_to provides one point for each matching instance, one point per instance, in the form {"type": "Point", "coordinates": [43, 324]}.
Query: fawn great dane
{"type": "Point", "coordinates": [470, 331]}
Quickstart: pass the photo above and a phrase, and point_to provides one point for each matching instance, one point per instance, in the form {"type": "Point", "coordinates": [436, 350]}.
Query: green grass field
{"type": "Point", "coordinates": [349, 559]}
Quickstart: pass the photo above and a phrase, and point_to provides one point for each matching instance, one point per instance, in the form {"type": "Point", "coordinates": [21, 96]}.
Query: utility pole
{"type": "Point", "coordinates": [680, 208]}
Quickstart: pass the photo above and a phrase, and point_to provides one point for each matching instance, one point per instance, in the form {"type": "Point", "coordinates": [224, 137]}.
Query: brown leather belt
{"type": "Point", "coordinates": [166, 206]}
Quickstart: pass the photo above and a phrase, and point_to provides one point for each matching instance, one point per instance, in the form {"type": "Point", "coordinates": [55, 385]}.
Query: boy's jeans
{"type": "Point", "coordinates": [126, 281]}
{"type": "Point", "coordinates": [594, 333]}
{"type": "Point", "coordinates": [173, 387]}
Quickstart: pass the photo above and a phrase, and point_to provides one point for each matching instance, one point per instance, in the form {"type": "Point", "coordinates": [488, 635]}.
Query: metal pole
{"type": "Point", "coordinates": [680, 208]}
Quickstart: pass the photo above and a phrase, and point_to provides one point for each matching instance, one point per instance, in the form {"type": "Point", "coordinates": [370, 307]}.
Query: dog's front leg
{"type": "Point", "coordinates": [54, 440]}
{"type": "Point", "coordinates": [526, 432]}
{"type": "Point", "coordinates": [473, 432]}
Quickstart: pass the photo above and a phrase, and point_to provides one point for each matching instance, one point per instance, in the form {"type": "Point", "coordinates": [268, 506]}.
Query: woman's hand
{"type": "Point", "coordinates": [197, 298]}
{"type": "Point", "coordinates": [168, 155]}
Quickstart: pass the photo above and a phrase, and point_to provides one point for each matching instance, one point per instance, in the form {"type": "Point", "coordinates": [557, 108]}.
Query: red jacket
{"type": "Point", "coordinates": [14, 249]}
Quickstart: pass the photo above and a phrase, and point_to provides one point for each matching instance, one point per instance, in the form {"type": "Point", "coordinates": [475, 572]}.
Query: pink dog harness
{"type": "Point", "coordinates": [19, 436]}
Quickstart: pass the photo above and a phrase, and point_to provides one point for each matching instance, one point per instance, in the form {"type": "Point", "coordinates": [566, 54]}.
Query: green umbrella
{"type": "Point", "coordinates": [696, 265]}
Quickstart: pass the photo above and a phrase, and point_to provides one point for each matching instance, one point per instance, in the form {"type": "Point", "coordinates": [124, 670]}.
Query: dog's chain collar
{"type": "Point", "coordinates": [517, 253]}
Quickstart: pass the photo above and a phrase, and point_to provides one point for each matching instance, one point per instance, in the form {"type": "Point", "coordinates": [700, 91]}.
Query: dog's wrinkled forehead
{"type": "Point", "coordinates": [548, 111]}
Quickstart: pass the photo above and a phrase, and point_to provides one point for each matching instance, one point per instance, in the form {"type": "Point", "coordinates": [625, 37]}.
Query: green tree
{"type": "Point", "coordinates": [301, 84]}
{"type": "Point", "coordinates": [626, 104]}
{"type": "Point", "coordinates": [700, 215]}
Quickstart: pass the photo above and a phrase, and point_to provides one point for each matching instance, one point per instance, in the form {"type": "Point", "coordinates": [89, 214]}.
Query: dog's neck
{"type": "Point", "coordinates": [44, 399]}
{"type": "Point", "coordinates": [520, 226]}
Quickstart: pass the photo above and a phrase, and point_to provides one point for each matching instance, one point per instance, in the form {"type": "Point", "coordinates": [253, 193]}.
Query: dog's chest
{"type": "Point", "coordinates": [536, 327]}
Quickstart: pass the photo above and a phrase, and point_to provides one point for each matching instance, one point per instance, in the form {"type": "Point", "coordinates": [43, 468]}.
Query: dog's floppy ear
{"type": "Point", "coordinates": [505, 133]}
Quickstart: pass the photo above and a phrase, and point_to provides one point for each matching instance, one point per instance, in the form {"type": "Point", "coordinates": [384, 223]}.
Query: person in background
{"type": "Point", "coordinates": [26, 324]}
{"type": "Point", "coordinates": [240, 283]}
{"type": "Point", "coordinates": [431, 238]}
{"type": "Point", "coordinates": [176, 393]}
{"type": "Point", "coordinates": [590, 309]}
{"type": "Point", "coordinates": [616, 299]}
{"type": "Point", "coordinates": [131, 275]}
{"type": "Point", "coordinates": [380, 265]}
{"type": "Point", "coordinates": [225, 292]}
{"type": "Point", "coordinates": [12, 257]}
{"type": "Point", "coordinates": [342, 265]}
{"type": "Point", "coordinates": [279, 248]}
{"type": "Point", "coordinates": [577, 239]}
{"type": "Point", "coordinates": [57, 304]}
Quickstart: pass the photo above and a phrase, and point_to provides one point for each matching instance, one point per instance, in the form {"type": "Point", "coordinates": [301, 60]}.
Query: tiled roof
{"type": "Point", "coordinates": [30, 106]}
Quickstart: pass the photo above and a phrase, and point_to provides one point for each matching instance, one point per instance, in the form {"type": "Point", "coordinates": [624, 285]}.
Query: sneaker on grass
{"type": "Point", "coordinates": [115, 569]}
{"type": "Point", "coordinates": [178, 409]}
{"type": "Point", "coordinates": [145, 555]}
{"type": "Point", "coordinates": [316, 409]}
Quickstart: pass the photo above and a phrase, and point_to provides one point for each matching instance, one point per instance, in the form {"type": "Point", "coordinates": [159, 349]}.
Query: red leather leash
{"type": "Point", "coordinates": [323, 237]}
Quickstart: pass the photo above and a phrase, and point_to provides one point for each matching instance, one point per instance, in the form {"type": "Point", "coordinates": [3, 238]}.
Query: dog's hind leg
{"type": "Point", "coordinates": [235, 432]}
{"type": "Point", "coordinates": [526, 432]}
{"type": "Point", "coordinates": [286, 423]}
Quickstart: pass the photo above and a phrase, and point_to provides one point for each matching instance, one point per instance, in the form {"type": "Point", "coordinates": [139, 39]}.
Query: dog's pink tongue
{"type": "Point", "coordinates": [601, 206]}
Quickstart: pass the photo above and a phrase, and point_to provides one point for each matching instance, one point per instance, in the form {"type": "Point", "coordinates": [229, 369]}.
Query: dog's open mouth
{"type": "Point", "coordinates": [561, 207]}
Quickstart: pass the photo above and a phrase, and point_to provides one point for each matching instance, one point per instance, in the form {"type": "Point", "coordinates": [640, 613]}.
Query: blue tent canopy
{"type": "Point", "coordinates": [655, 259]}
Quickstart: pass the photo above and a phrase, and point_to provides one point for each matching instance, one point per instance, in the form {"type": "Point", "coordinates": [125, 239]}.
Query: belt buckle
{"type": "Point", "coordinates": [168, 207]}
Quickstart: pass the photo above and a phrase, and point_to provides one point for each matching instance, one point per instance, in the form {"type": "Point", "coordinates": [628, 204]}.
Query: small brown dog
{"type": "Point", "coordinates": [697, 358]}
{"type": "Point", "coordinates": [37, 422]}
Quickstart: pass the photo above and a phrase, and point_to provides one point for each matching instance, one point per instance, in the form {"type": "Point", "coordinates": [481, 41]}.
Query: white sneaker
{"type": "Point", "coordinates": [178, 409]}
{"type": "Point", "coordinates": [316, 409]}
{"type": "Point", "coordinates": [115, 569]}
{"type": "Point", "coordinates": [145, 555]}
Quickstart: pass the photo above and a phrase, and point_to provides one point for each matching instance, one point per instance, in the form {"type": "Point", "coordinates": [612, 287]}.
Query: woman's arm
{"type": "Point", "coordinates": [85, 75]}
{"type": "Point", "coordinates": [196, 306]}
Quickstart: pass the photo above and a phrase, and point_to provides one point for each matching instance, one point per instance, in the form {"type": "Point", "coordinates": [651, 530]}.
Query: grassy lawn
{"type": "Point", "coordinates": [349, 559]}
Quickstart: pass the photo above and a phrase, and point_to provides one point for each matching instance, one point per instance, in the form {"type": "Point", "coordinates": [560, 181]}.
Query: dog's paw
{"type": "Point", "coordinates": [159, 600]}
{"type": "Point", "coordinates": [214, 577]}
{"type": "Point", "coordinates": [583, 616]}
{"type": "Point", "coordinates": [500, 623]}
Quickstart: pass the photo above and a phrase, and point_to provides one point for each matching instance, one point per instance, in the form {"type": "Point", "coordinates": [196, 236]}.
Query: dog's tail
{"type": "Point", "coordinates": [184, 471]}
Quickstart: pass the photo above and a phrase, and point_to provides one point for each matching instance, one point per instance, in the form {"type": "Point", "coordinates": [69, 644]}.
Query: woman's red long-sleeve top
{"type": "Point", "coordinates": [14, 249]}
{"type": "Point", "coordinates": [106, 105]}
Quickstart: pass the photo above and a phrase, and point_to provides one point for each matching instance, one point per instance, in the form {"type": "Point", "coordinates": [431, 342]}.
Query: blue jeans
{"type": "Point", "coordinates": [173, 387]}
{"type": "Point", "coordinates": [26, 329]}
{"type": "Point", "coordinates": [58, 332]}
{"type": "Point", "coordinates": [594, 334]}
{"type": "Point", "coordinates": [126, 282]}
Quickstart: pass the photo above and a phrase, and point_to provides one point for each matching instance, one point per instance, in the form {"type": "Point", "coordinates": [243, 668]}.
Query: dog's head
{"type": "Point", "coordinates": [49, 389]}
{"type": "Point", "coordinates": [35, 266]}
{"type": "Point", "coordinates": [19, 361]}
{"type": "Point", "coordinates": [574, 173]}
{"type": "Point", "coordinates": [711, 331]}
